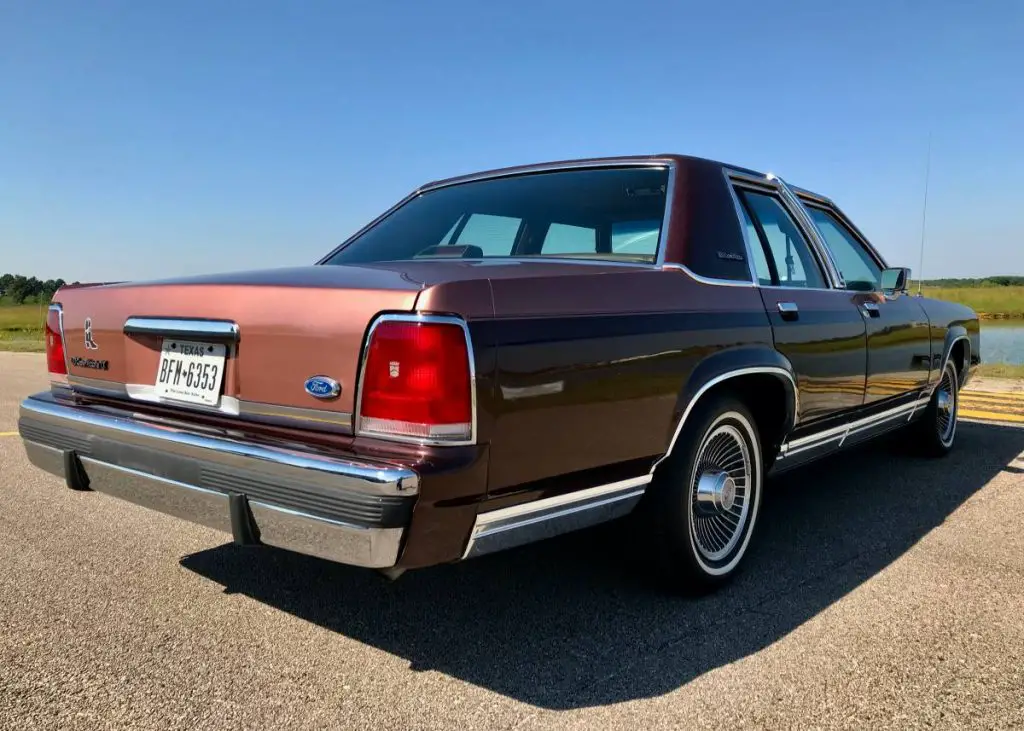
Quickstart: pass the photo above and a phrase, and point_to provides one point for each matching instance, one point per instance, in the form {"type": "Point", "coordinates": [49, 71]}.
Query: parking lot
{"type": "Point", "coordinates": [883, 591]}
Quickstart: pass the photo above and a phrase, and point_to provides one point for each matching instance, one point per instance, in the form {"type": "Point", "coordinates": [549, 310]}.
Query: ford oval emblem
{"type": "Point", "coordinates": [322, 387]}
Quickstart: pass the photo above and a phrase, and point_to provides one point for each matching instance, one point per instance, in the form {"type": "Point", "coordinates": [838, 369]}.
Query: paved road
{"type": "Point", "coordinates": [884, 591]}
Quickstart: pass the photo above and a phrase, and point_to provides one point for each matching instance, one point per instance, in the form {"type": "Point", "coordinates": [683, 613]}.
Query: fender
{"type": "Point", "coordinates": [733, 363]}
{"type": "Point", "coordinates": [954, 333]}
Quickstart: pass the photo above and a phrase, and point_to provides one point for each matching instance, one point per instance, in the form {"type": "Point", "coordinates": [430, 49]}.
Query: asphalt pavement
{"type": "Point", "coordinates": [883, 591]}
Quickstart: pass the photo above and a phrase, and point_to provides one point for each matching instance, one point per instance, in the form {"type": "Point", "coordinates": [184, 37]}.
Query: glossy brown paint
{"type": "Point", "coordinates": [899, 346]}
{"type": "Point", "coordinates": [581, 385]}
{"type": "Point", "coordinates": [826, 344]}
{"type": "Point", "coordinates": [583, 369]}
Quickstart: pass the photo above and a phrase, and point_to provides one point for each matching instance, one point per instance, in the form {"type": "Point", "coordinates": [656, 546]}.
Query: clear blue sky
{"type": "Point", "coordinates": [142, 139]}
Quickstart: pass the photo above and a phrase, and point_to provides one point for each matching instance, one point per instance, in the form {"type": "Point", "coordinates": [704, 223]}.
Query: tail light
{"type": "Point", "coordinates": [56, 363]}
{"type": "Point", "coordinates": [417, 381]}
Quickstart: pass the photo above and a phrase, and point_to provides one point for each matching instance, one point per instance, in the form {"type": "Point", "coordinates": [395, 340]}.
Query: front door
{"type": "Point", "coordinates": [899, 344]}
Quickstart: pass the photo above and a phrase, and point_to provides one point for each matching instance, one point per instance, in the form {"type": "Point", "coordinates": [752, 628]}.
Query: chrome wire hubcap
{"type": "Point", "coordinates": [716, 492]}
{"type": "Point", "coordinates": [945, 402]}
{"type": "Point", "coordinates": [720, 492]}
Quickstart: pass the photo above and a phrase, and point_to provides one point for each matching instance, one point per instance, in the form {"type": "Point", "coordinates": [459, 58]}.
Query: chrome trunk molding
{"type": "Point", "coordinates": [183, 328]}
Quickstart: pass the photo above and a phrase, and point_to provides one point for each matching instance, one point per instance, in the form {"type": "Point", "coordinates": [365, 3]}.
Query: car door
{"type": "Point", "coordinates": [819, 329]}
{"type": "Point", "coordinates": [898, 332]}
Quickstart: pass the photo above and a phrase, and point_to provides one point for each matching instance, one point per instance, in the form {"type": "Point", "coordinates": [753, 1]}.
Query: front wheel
{"type": "Point", "coordinates": [935, 430]}
{"type": "Point", "coordinates": [706, 496]}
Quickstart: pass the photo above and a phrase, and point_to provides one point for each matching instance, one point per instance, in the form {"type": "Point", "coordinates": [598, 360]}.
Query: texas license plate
{"type": "Point", "coordinates": [191, 371]}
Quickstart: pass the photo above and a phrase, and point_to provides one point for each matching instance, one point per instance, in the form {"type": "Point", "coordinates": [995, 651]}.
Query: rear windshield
{"type": "Point", "coordinates": [608, 214]}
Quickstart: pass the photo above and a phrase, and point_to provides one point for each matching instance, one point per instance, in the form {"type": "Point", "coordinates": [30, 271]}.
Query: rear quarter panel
{"type": "Point", "coordinates": [589, 371]}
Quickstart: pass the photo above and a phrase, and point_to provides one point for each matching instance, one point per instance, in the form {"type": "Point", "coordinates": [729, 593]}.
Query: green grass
{"type": "Point", "coordinates": [22, 318]}
{"type": "Point", "coordinates": [988, 302]}
{"type": "Point", "coordinates": [21, 328]}
{"type": "Point", "coordinates": [1001, 370]}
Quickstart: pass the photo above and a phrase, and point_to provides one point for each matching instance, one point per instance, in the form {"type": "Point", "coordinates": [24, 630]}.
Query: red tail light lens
{"type": "Point", "coordinates": [417, 382]}
{"type": "Point", "coordinates": [55, 362]}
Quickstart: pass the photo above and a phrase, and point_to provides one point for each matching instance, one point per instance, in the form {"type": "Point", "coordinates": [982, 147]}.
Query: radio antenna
{"type": "Point", "coordinates": [924, 212]}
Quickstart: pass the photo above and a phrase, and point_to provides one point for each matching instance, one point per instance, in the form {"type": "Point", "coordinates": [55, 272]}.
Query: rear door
{"type": "Point", "coordinates": [899, 342]}
{"type": "Point", "coordinates": [819, 329]}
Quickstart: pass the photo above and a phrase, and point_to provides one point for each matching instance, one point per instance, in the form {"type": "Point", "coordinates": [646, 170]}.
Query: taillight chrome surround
{"type": "Point", "coordinates": [58, 379]}
{"type": "Point", "coordinates": [424, 441]}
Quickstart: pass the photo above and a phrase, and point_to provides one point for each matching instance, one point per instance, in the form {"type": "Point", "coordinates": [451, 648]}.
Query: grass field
{"type": "Point", "coordinates": [1001, 370]}
{"type": "Point", "coordinates": [21, 328]}
{"type": "Point", "coordinates": [988, 302]}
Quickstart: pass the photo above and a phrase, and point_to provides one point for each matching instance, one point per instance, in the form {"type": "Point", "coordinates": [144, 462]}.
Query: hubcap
{"type": "Point", "coordinates": [720, 492]}
{"type": "Point", "coordinates": [945, 402]}
{"type": "Point", "coordinates": [716, 492]}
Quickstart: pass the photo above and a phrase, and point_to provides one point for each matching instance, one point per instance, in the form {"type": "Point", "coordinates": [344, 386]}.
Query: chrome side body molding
{"type": "Point", "coordinates": [504, 528]}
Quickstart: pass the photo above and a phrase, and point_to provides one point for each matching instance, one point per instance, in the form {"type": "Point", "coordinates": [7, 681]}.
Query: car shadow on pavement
{"type": "Point", "coordinates": [575, 622]}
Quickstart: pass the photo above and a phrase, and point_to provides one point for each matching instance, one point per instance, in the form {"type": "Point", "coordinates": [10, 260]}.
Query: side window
{"type": "Point", "coordinates": [795, 265]}
{"type": "Point", "coordinates": [857, 266]}
{"type": "Point", "coordinates": [764, 271]}
{"type": "Point", "coordinates": [495, 235]}
{"type": "Point", "coordinates": [562, 238]}
{"type": "Point", "coordinates": [635, 237]}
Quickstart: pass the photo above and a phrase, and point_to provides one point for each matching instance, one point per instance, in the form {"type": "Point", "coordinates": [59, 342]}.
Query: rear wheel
{"type": "Point", "coordinates": [935, 430]}
{"type": "Point", "coordinates": [705, 498]}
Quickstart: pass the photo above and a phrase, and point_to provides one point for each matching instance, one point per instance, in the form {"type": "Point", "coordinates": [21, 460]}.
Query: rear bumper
{"type": "Point", "coordinates": [349, 511]}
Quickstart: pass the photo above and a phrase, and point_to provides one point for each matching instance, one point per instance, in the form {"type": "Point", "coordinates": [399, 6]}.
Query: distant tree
{"type": "Point", "coordinates": [19, 289]}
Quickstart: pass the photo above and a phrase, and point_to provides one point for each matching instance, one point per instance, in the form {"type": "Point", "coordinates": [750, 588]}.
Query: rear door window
{"type": "Point", "coordinates": [787, 252]}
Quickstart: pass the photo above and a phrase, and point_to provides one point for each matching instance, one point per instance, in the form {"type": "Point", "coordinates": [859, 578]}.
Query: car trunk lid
{"type": "Point", "coordinates": [265, 334]}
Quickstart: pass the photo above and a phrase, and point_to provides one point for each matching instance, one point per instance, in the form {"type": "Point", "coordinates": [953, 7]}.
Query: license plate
{"type": "Point", "coordinates": [190, 371]}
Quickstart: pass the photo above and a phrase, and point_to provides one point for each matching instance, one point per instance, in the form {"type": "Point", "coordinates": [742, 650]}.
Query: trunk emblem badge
{"type": "Point", "coordinates": [322, 387]}
{"type": "Point", "coordinates": [90, 344]}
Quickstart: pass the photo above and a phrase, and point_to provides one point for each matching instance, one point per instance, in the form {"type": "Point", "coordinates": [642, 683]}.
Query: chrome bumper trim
{"type": "Point", "coordinates": [504, 528]}
{"type": "Point", "coordinates": [162, 468]}
{"type": "Point", "coordinates": [219, 447]}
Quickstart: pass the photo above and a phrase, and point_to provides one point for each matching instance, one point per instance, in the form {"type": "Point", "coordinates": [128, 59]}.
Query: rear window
{"type": "Point", "coordinates": [609, 214]}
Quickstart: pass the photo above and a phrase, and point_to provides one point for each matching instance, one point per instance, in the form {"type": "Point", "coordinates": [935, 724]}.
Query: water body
{"type": "Point", "coordinates": [1002, 341]}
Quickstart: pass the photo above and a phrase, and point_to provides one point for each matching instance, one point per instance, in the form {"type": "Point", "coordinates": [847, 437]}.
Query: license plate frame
{"type": "Point", "coordinates": [190, 372]}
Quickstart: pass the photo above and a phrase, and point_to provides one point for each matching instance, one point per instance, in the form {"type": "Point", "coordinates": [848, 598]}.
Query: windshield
{"type": "Point", "coordinates": [607, 214]}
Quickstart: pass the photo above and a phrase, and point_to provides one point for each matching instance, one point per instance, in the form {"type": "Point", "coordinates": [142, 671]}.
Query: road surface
{"type": "Point", "coordinates": [883, 591]}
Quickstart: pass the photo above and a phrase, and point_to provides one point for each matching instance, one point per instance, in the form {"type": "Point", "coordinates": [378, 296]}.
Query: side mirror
{"type": "Point", "coordinates": [895, 280]}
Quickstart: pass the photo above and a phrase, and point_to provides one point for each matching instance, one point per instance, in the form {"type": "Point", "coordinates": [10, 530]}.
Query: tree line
{"type": "Point", "coordinates": [19, 289]}
{"type": "Point", "coordinates": [997, 281]}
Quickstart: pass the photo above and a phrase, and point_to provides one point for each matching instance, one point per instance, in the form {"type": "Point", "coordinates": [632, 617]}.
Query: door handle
{"type": "Point", "coordinates": [788, 310]}
{"type": "Point", "coordinates": [871, 308]}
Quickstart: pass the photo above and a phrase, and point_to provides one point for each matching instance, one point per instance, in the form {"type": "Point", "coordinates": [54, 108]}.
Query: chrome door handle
{"type": "Point", "coordinates": [788, 310]}
{"type": "Point", "coordinates": [871, 308]}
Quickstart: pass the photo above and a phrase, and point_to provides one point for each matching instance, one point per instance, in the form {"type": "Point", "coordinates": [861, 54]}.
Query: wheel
{"type": "Point", "coordinates": [935, 429]}
{"type": "Point", "coordinates": [705, 498]}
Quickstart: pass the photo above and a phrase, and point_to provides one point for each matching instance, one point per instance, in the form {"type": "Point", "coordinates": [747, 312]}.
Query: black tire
{"type": "Point", "coordinates": [687, 524]}
{"type": "Point", "coordinates": [934, 432]}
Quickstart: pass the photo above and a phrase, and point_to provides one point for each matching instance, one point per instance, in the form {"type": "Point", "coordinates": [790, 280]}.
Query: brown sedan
{"type": "Point", "coordinates": [506, 356]}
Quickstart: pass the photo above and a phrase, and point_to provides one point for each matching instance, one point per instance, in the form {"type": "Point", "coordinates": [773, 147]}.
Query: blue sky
{"type": "Point", "coordinates": [149, 139]}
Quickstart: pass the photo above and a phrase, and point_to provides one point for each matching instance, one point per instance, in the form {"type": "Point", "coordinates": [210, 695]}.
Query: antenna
{"type": "Point", "coordinates": [924, 212]}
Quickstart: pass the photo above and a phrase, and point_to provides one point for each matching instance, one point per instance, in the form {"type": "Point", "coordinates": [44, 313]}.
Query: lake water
{"type": "Point", "coordinates": [1002, 342]}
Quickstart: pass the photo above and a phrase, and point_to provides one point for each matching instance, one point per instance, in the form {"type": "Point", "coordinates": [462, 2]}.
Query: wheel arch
{"type": "Point", "coordinates": [744, 372]}
{"type": "Point", "coordinates": [957, 345]}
